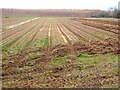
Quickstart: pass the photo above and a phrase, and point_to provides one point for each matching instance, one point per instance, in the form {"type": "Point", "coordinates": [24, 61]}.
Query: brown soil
{"type": "Point", "coordinates": [29, 73]}
{"type": "Point", "coordinates": [69, 46]}
{"type": "Point", "coordinates": [91, 47]}
{"type": "Point", "coordinates": [101, 24]}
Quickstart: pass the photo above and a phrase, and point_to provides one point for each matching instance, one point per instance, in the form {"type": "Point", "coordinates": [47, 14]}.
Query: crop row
{"type": "Point", "coordinates": [49, 32]}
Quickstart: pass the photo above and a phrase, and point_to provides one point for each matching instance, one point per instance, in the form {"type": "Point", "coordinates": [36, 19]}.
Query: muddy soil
{"type": "Point", "coordinates": [39, 72]}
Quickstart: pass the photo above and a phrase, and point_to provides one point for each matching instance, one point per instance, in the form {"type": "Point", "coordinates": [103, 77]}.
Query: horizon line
{"type": "Point", "coordinates": [51, 9]}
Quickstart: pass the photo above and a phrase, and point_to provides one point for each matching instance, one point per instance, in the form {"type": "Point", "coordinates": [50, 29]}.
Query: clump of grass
{"type": "Point", "coordinates": [44, 42]}
{"type": "Point", "coordinates": [5, 50]}
{"type": "Point", "coordinates": [85, 55]}
{"type": "Point", "coordinates": [20, 48]}
{"type": "Point", "coordinates": [5, 47]}
{"type": "Point", "coordinates": [34, 56]}
{"type": "Point", "coordinates": [17, 48]}
{"type": "Point", "coordinates": [26, 44]}
{"type": "Point", "coordinates": [87, 59]}
{"type": "Point", "coordinates": [60, 60]}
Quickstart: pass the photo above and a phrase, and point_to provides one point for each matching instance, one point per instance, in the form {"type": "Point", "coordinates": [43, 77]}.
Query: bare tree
{"type": "Point", "coordinates": [114, 12]}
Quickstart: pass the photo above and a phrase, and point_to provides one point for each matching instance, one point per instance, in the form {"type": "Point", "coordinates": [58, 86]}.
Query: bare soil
{"type": "Point", "coordinates": [87, 58]}
{"type": "Point", "coordinates": [101, 24]}
{"type": "Point", "coordinates": [39, 72]}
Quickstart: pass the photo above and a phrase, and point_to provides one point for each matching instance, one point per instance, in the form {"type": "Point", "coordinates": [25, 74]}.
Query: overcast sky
{"type": "Point", "coordinates": [59, 4]}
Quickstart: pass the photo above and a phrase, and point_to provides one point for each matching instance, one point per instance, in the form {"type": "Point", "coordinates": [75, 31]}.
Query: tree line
{"type": "Point", "coordinates": [111, 13]}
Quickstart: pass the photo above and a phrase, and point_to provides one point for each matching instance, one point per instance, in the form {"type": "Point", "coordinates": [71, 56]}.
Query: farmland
{"type": "Point", "coordinates": [42, 51]}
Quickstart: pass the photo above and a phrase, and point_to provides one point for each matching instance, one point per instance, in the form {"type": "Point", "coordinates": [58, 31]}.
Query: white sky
{"type": "Point", "coordinates": [59, 4]}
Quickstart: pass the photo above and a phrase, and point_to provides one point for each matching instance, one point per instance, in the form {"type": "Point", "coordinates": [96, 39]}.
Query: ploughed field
{"type": "Point", "coordinates": [59, 52]}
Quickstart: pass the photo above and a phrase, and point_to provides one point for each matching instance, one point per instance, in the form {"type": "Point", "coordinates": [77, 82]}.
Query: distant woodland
{"type": "Point", "coordinates": [112, 12]}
